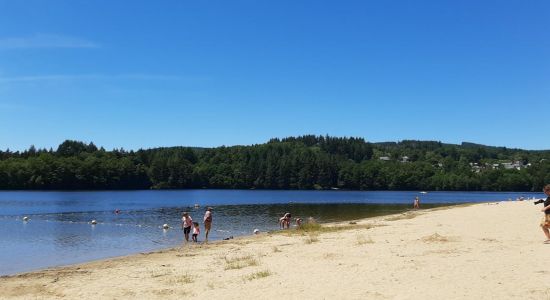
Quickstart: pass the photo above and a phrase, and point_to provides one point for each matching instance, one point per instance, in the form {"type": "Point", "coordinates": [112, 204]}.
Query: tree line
{"type": "Point", "coordinates": [305, 162]}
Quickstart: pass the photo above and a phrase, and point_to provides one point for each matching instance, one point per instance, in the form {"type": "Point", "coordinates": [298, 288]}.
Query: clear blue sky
{"type": "Point", "coordinates": [141, 74]}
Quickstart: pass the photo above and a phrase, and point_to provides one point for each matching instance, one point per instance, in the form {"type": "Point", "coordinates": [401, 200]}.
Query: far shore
{"type": "Point", "coordinates": [257, 189]}
{"type": "Point", "coordinates": [479, 251]}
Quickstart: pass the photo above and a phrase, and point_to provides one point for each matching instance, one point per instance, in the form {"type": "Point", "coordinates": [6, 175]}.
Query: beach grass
{"type": "Point", "coordinates": [160, 273]}
{"type": "Point", "coordinates": [436, 238]}
{"type": "Point", "coordinates": [310, 227]}
{"type": "Point", "coordinates": [404, 216]}
{"type": "Point", "coordinates": [312, 238]}
{"type": "Point", "coordinates": [258, 275]}
{"type": "Point", "coordinates": [183, 279]}
{"type": "Point", "coordinates": [239, 262]}
{"type": "Point", "coordinates": [330, 255]}
{"type": "Point", "coordinates": [362, 240]}
{"type": "Point", "coordinates": [317, 228]}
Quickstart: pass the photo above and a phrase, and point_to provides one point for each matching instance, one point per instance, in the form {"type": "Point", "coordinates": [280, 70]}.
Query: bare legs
{"type": "Point", "coordinates": [207, 227]}
{"type": "Point", "coordinates": [546, 232]}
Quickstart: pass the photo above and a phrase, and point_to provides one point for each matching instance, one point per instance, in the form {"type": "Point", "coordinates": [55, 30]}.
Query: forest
{"type": "Point", "coordinates": [304, 162]}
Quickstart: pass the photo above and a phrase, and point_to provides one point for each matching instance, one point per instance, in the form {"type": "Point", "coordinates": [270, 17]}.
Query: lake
{"type": "Point", "coordinates": [59, 231]}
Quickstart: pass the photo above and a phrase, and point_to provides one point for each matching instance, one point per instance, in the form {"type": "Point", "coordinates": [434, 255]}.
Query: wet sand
{"type": "Point", "coordinates": [481, 251]}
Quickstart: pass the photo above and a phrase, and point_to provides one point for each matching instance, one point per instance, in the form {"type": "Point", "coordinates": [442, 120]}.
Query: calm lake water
{"type": "Point", "coordinates": [59, 232]}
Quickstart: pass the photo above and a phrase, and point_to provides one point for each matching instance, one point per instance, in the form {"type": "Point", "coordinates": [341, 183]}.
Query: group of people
{"type": "Point", "coordinates": [284, 221]}
{"type": "Point", "coordinates": [187, 224]}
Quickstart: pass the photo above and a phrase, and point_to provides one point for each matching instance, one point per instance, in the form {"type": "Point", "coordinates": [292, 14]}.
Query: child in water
{"type": "Point", "coordinates": [196, 231]}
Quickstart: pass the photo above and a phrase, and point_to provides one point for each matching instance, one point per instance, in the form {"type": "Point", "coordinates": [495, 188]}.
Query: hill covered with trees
{"type": "Point", "coordinates": [306, 162]}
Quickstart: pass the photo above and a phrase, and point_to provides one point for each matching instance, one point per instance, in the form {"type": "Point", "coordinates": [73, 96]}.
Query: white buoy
{"type": "Point", "coordinates": [25, 219]}
{"type": "Point", "coordinates": [93, 222]}
{"type": "Point", "coordinates": [256, 231]}
{"type": "Point", "coordinates": [165, 226]}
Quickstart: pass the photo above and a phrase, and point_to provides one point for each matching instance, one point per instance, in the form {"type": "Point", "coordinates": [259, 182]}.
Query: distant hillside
{"type": "Point", "coordinates": [304, 162]}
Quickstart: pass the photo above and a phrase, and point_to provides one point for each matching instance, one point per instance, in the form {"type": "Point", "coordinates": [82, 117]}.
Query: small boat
{"type": "Point", "coordinates": [423, 192]}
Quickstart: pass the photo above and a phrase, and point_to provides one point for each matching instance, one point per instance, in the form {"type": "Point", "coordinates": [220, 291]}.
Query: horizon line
{"type": "Point", "coordinates": [265, 142]}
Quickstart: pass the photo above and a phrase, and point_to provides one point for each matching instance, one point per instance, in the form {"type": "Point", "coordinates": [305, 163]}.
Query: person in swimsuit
{"type": "Point", "coordinates": [186, 223]}
{"type": "Point", "coordinates": [207, 221]}
{"type": "Point", "coordinates": [545, 223]}
{"type": "Point", "coordinates": [416, 204]}
{"type": "Point", "coordinates": [285, 221]}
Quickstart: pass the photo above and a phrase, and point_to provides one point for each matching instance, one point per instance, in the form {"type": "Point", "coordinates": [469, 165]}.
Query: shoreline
{"type": "Point", "coordinates": [213, 242]}
{"type": "Point", "coordinates": [474, 250]}
{"type": "Point", "coordinates": [220, 239]}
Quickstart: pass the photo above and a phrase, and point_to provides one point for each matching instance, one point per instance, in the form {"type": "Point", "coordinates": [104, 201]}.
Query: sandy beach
{"type": "Point", "coordinates": [481, 251]}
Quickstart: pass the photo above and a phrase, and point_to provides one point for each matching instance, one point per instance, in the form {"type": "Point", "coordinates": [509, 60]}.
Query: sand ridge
{"type": "Point", "coordinates": [482, 251]}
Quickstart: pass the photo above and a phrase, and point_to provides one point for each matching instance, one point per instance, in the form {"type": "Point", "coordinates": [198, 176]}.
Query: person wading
{"type": "Point", "coordinates": [207, 222]}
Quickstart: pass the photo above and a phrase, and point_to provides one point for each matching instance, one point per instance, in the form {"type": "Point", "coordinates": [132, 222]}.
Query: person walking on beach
{"type": "Point", "coordinates": [207, 222]}
{"type": "Point", "coordinates": [186, 223]}
{"type": "Point", "coordinates": [416, 204]}
{"type": "Point", "coordinates": [545, 223]}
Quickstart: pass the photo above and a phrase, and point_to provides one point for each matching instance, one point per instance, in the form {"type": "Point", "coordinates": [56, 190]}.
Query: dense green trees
{"type": "Point", "coordinates": [306, 162]}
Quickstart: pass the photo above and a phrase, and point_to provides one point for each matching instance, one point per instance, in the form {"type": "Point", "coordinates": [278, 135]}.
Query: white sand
{"type": "Point", "coordinates": [484, 251]}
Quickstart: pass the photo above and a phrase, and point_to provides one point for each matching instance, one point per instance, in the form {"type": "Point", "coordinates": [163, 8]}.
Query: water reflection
{"type": "Point", "coordinates": [25, 203]}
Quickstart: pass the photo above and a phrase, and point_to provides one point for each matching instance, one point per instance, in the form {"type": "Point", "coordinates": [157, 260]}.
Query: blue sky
{"type": "Point", "coordinates": [141, 74]}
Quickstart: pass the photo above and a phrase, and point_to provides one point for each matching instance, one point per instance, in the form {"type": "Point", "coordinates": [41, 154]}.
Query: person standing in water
{"type": "Point", "coordinates": [207, 222]}
{"type": "Point", "coordinates": [284, 221]}
{"type": "Point", "coordinates": [196, 231]}
{"type": "Point", "coordinates": [186, 223]}
{"type": "Point", "coordinates": [416, 204]}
